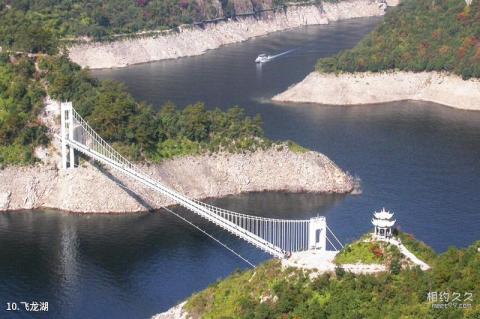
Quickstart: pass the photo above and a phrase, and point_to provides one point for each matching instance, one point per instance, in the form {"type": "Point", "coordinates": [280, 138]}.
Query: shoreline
{"type": "Point", "coordinates": [91, 188]}
{"type": "Point", "coordinates": [373, 88]}
{"type": "Point", "coordinates": [200, 177]}
{"type": "Point", "coordinates": [196, 41]}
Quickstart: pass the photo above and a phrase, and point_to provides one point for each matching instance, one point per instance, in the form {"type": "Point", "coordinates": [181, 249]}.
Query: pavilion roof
{"type": "Point", "coordinates": [383, 222]}
{"type": "Point", "coordinates": [383, 214]}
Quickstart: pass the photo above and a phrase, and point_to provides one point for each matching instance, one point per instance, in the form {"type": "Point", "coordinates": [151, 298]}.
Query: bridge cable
{"type": "Point", "coordinates": [203, 231]}
{"type": "Point", "coordinates": [211, 236]}
{"type": "Point", "coordinates": [328, 228]}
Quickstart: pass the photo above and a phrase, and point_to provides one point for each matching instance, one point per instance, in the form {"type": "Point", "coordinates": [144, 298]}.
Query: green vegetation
{"type": "Point", "coordinates": [135, 129]}
{"type": "Point", "coordinates": [95, 18]}
{"type": "Point", "coordinates": [24, 33]}
{"type": "Point", "coordinates": [419, 35]}
{"type": "Point", "coordinates": [44, 21]}
{"type": "Point", "coordinates": [21, 99]}
{"type": "Point", "coordinates": [419, 248]}
{"type": "Point", "coordinates": [270, 292]}
{"type": "Point", "coordinates": [37, 25]}
{"type": "Point", "coordinates": [140, 132]}
{"type": "Point", "coordinates": [367, 253]}
{"type": "Point", "coordinates": [296, 148]}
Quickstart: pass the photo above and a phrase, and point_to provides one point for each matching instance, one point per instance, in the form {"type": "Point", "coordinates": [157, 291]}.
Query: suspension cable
{"type": "Point", "coordinates": [203, 231]}
{"type": "Point", "coordinates": [211, 236]}
{"type": "Point", "coordinates": [328, 228]}
{"type": "Point", "coordinates": [330, 243]}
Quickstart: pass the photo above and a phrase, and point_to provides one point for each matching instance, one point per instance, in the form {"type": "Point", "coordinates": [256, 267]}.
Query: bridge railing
{"type": "Point", "coordinates": [291, 235]}
{"type": "Point", "coordinates": [275, 236]}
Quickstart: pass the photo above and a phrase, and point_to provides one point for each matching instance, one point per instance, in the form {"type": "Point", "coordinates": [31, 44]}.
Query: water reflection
{"type": "Point", "coordinates": [128, 265]}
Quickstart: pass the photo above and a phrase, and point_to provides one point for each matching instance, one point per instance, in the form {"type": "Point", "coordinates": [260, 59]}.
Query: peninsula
{"type": "Point", "coordinates": [201, 153]}
{"type": "Point", "coordinates": [423, 50]}
{"type": "Point", "coordinates": [365, 277]}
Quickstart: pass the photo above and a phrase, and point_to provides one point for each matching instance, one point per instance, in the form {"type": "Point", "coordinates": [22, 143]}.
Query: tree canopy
{"type": "Point", "coordinates": [268, 291]}
{"type": "Point", "coordinates": [143, 133]}
{"type": "Point", "coordinates": [21, 99]}
{"type": "Point", "coordinates": [136, 129]}
{"type": "Point", "coordinates": [419, 35]}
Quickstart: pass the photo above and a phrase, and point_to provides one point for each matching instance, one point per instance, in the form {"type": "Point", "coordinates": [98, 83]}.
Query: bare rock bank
{"type": "Point", "coordinates": [90, 189]}
{"type": "Point", "coordinates": [367, 88]}
{"type": "Point", "coordinates": [176, 312]}
{"type": "Point", "coordinates": [195, 40]}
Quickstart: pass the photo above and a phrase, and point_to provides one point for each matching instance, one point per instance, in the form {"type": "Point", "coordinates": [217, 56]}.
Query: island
{"type": "Point", "coordinates": [199, 152]}
{"type": "Point", "coordinates": [423, 50]}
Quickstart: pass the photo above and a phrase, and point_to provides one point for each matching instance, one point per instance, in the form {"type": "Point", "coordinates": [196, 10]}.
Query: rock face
{"type": "Point", "coordinates": [195, 41]}
{"type": "Point", "coordinates": [176, 312]}
{"type": "Point", "coordinates": [90, 189]}
{"type": "Point", "coordinates": [366, 88]}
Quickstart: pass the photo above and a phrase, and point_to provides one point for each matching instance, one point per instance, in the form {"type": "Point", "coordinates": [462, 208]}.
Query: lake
{"type": "Point", "coordinates": [418, 159]}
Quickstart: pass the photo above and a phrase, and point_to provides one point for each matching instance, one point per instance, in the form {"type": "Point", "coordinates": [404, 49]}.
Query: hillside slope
{"type": "Point", "coordinates": [419, 35]}
{"type": "Point", "coordinates": [269, 291]}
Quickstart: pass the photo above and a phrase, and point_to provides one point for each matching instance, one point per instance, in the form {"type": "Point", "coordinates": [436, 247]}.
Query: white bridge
{"type": "Point", "coordinates": [278, 237]}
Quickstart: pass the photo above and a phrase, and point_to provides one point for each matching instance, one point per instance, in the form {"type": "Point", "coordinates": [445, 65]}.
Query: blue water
{"type": "Point", "coordinates": [418, 159]}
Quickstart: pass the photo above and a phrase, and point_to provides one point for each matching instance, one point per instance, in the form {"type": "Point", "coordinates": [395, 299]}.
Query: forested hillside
{"type": "Point", "coordinates": [95, 18]}
{"type": "Point", "coordinates": [270, 292]}
{"type": "Point", "coordinates": [135, 129]}
{"type": "Point", "coordinates": [21, 99]}
{"type": "Point", "coordinates": [419, 35]}
{"type": "Point", "coordinates": [139, 131]}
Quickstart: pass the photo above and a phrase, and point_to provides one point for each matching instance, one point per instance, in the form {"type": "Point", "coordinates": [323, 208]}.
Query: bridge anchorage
{"type": "Point", "coordinates": [277, 237]}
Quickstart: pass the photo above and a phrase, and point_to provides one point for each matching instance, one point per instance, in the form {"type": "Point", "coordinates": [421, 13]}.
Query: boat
{"type": "Point", "coordinates": [262, 58]}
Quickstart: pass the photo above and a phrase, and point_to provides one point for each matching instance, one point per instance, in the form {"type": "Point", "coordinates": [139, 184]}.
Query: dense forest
{"type": "Point", "coordinates": [270, 292]}
{"type": "Point", "coordinates": [419, 35]}
{"type": "Point", "coordinates": [135, 129]}
{"type": "Point", "coordinates": [21, 100]}
{"type": "Point", "coordinates": [59, 19]}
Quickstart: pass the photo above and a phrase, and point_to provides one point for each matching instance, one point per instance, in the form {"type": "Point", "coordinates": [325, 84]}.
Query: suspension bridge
{"type": "Point", "coordinates": [277, 237]}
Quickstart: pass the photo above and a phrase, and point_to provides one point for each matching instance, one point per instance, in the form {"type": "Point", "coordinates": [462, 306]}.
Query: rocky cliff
{"type": "Point", "coordinates": [366, 88]}
{"type": "Point", "coordinates": [92, 188]}
{"type": "Point", "coordinates": [95, 189]}
{"type": "Point", "coordinates": [191, 41]}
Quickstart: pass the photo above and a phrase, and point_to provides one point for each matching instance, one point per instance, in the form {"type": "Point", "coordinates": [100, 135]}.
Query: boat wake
{"type": "Point", "coordinates": [262, 58]}
{"type": "Point", "coordinates": [281, 54]}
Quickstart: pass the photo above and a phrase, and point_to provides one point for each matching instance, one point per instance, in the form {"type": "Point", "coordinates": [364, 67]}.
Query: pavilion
{"type": "Point", "coordinates": [383, 223]}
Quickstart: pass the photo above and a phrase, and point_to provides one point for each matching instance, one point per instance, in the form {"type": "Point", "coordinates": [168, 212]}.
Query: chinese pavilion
{"type": "Point", "coordinates": [383, 223]}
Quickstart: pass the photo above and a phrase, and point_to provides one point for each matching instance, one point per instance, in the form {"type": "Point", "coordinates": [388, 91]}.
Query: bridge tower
{"type": "Point", "coordinates": [317, 234]}
{"type": "Point", "coordinates": [66, 132]}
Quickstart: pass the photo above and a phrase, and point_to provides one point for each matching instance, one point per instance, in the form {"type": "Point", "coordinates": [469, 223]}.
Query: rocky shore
{"type": "Point", "coordinates": [93, 189]}
{"type": "Point", "coordinates": [368, 88]}
{"type": "Point", "coordinates": [195, 40]}
{"type": "Point", "coordinates": [176, 312]}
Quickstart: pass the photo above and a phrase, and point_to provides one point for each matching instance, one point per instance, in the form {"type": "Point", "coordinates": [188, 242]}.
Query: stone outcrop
{"type": "Point", "coordinates": [89, 188]}
{"type": "Point", "coordinates": [92, 189]}
{"type": "Point", "coordinates": [195, 40]}
{"type": "Point", "coordinates": [367, 88]}
{"type": "Point", "coordinates": [176, 312]}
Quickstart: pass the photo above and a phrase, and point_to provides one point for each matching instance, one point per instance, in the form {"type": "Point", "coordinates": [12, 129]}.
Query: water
{"type": "Point", "coordinates": [419, 159]}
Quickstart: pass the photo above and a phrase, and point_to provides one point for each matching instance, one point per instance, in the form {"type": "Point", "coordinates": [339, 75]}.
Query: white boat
{"type": "Point", "coordinates": [262, 58]}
